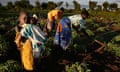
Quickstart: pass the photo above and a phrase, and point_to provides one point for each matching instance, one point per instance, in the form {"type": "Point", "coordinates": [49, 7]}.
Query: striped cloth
{"type": "Point", "coordinates": [35, 34]}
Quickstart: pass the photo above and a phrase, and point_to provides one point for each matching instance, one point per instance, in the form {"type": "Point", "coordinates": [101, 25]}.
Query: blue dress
{"type": "Point", "coordinates": [63, 33]}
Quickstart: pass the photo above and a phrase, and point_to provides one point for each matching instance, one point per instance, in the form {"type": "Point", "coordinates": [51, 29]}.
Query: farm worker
{"type": "Point", "coordinates": [53, 16]}
{"type": "Point", "coordinates": [23, 44]}
{"type": "Point", "coordinates": [29, 40]}
{"type": "Point", "coordinates": [63, 34]}
{"type": "Point", "coordinates": [34, 19]}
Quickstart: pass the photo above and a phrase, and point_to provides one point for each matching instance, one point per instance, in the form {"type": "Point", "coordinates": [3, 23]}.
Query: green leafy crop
{"type": "Point", "coordinates": [77, 67]}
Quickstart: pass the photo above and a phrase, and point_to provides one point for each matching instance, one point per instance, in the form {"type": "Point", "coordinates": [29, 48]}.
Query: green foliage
{"type": "Point", "coordinates": [77, 67]}
{"type": "Point", "coordinates": [118, 25]}
{"type": "Point", "coordinates": [113, 48]}
{"type": "Point", "coordinates": [117, 38]}
{"type": "Point", "coordinates": [47, 46]}
{"type": "Point", "coordinates": [114, 45]}
{"type": "Point", "coordinates": [92, 4]}
{"type": "Point", "coordinates": [113, 6]}
{"type": "Point", "coordinates": [78, 43]}
{"type": "Point", "coordinates": [100, 38]}
{"type": "Point", "coordinates": [101, 29]}
{"type": "Point", "coordinates": [51, 5]}
{"type": "Point", "coordinates": [4, 47]}
{"type": "Point", "coordinates": [99, 8]}
{"type": "Point", "coordinates": [89, 21]}
{"type": "Point", "coordinates": [2, 26]}
{"type": "Point", "coordinates": [44, 6]}
{"type": "Point", "coordinates": [106, 5]}
{"type": "Point", "coordinates": [42, 22]}
{"type": "Point", "coordinates": [89, 32]}
{"type": "Point", "coordinates": [95, 25]}
{"type": "Point", "coordinates": [47, 51]}
{"type": "Point", "coordinates": [10, 66]}
{"type": "Point", "coordinates": [76, 6]}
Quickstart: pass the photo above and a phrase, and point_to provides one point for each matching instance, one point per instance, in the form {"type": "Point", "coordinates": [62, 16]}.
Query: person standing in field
{"type": "Point", "coordinates": [63, 36]}
{"type": "Point", "coordinates": [64, 33]}
{"type": "Point", "coordinates": [29, 40]}
{"type": "Point", "coordinates": [52, 18]}
{"type": "Point", "coordinates": [24, 45]}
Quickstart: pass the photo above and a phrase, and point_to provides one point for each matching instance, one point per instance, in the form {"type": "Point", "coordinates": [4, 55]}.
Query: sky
{"type": "Point", "coordinates": [82, 2]}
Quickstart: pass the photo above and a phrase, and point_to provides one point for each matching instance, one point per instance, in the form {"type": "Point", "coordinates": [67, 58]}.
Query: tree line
{"type": "Point", "coordinates": [25, 4]}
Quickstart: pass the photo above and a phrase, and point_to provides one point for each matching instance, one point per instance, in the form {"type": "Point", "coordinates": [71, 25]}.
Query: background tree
{"type": "Point", "coordinates": [37, 4]}
{"type": "Point", "coordinates": [83, 9]}
{"type": "Point", "coordinates": [37, 7]}
{"type": "Point", "coordinates": [67, 4]}
{"type": "Point", "coordinates": [17, 5]}
{"type": "Point", "coordinates": [51, 5]}
{"type": "Point", "coordinates": [113, 6]}
{"type": "Point", "coordinates": [92, 5]}
{"type": "Point", "coordinates": [99, 8]}
{"type": "Point", "coordinates": [9, 5]}
{"type": "Point", "coordinates": [2, 8]}
{"type": "Point", "coordinates": [59, 3]}
{"type": "Point", "coordinates": [105, 6]}
{"type": "Point", "coordinates": [0, 4]}
{"type": "Point", "coordinates": [44, 6]}
{"type": "Point", "coordinates": [76, 6]}
{"type": "Point", "coordinates": [23, 4]}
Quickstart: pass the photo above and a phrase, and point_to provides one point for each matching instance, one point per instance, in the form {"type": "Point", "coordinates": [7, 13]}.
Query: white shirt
{"type": "Point", "coordinates": [77, 20]}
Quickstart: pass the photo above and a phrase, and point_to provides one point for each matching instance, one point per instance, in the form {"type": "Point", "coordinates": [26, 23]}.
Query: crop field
{"type": "Point", "coordinates": [101, 25]}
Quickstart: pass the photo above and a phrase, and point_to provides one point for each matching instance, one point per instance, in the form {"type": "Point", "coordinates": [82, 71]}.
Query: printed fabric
{"type": "Point", "coordinates": [63, 33]}
{"type": "Point", "coordinates": [37, 37]}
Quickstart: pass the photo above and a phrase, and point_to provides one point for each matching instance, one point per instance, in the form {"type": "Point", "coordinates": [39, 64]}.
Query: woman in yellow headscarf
{"type": "Point", "coordinates": [52, 17]}
{"type": "Point", "coordinates": [30, 40]}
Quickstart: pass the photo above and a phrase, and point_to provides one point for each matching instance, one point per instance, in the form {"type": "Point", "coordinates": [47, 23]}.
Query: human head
{"type": "Point", "coordinates": [84, 14]}
{"type": "Point", "coordinates": [60, 13]}
{"type": "Point", "coordinates": [62, 9]}
{"type": "Point", "coordinates": [33, 20]}
{"type": "Point", "coordinates": [23, 17]}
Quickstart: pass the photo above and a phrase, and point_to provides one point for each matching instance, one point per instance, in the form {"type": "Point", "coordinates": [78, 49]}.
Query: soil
{"type": "Point", "coordinates": [98, 62]}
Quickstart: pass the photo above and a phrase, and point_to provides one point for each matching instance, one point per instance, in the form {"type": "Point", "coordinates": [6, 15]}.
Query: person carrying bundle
{"type": "Point", "coordinates": [29, 40]}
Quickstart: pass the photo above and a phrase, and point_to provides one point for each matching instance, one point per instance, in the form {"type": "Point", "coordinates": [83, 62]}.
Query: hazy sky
{"type": "Point", "coordinates": [82, 2]}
